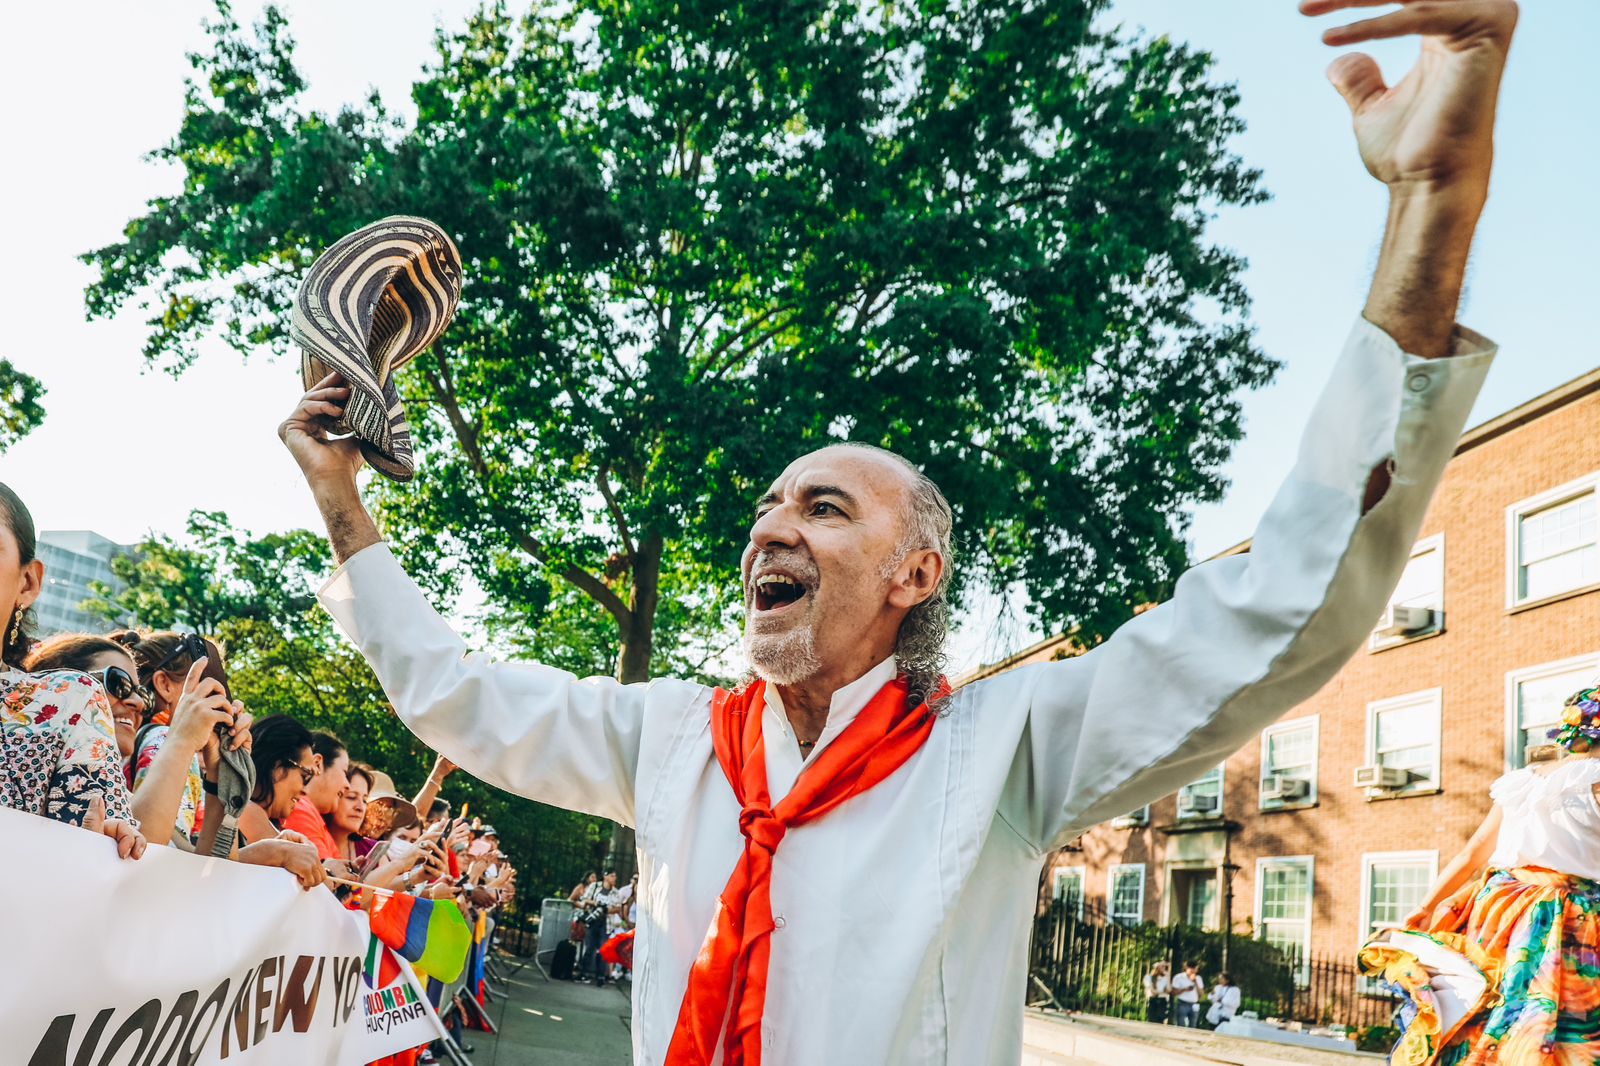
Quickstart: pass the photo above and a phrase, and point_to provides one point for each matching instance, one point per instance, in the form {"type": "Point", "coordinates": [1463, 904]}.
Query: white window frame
{"type": "Point", "coordinates": [1289, 725]}
{"type": "Point", "coordinates": [1111, 892]}
{"type": "Point", "coordinates": [1132, 819]}
{"type": "Point", "coordinates": [1434, 543]}
{"type": "Point", "coordinates": [1514, 680]}
{"type": "Point", "coordinates": [1310, 863]}
{"type": "Point", "coordinates": [1222, 791]}
{"type": "Point", "coordinates": [1435, 696]}
{"type": "Point", "coordinates": [1059, 874]}
{"type": "Point", "coordinates": [1572, 490]}
{"type": "Point", "coordinates": [1365, 930]}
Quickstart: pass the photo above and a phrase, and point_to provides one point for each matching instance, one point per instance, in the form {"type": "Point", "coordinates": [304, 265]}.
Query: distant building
{"type": "Point", "coordinates": [1335, 819]}
{"type": "Point", "coordinates": [72, 559]}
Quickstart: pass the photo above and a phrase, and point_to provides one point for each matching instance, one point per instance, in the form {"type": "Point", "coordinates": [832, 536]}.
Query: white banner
{"type": "Point", "coordinates": [397, 1016]}
{"type": "Point", "coordinates": [179, 960]}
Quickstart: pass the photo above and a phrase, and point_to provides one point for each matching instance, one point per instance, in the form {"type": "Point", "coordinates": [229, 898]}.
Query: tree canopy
{"type": "Point", "coordinates": [701, 239]}
{"type": "Point", "coordinates": [20, 409]}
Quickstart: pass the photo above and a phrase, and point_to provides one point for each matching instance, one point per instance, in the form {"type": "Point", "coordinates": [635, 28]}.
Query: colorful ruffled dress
{"type": "Point", "coordinates": [1530, 928]}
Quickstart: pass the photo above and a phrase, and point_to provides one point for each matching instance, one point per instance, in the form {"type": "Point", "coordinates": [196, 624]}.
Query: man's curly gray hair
{"type": "Point", "coordinates": [928, 522]}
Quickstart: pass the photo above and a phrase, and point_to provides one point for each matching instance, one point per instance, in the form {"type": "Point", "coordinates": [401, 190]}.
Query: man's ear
{"type": "Point", "coordinates": [918, 578]}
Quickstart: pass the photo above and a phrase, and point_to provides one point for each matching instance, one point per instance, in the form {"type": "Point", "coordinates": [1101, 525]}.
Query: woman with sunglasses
{"type": "Point", "coordinates": [172, 764]}
{"type": "Point", "coordinates": [176, 671]}
{"type": "Point", "coordinates": [58, 751]}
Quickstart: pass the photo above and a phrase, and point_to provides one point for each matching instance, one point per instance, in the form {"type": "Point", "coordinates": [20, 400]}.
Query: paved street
{"type": "Point", "coordinates": [556, 1023]}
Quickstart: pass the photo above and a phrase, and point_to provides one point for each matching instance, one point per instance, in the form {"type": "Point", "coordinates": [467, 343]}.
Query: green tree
{"type": "Point", "coordinates": [20, 409]}
{"type": "Point", "coordinates": [254, 595]}
{"type": "Point", "coordinates": [701, 239]}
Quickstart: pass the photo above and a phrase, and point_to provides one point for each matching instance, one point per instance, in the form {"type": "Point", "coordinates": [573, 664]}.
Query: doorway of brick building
{"type": "Point", "coordinates": [1196, 897]}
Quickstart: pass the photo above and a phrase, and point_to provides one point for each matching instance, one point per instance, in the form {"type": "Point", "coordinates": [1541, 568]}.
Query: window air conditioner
{"type": "Point", "coordinates": [1192, 803]}
{"type": "Point", "coordinates": [1128, 821]}
{"type": "Point", "coordinates": [1382, 777]}
{"type": "Point", "coordinates": [1400, 621]}
{"type": "Point", "coordinates": [1281, 788]}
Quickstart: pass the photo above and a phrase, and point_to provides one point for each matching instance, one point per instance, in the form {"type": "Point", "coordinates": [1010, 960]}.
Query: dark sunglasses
{"type": "Point", "coordinates": [191, 644]}
{"type": "Point", "coordinates": [119, 684]}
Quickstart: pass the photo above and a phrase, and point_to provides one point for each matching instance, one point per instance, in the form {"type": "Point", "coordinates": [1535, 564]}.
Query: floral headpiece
{"type": "Point", "coordinates": [1580, 721]}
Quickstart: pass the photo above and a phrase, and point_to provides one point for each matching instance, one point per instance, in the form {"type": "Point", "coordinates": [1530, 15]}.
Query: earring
{"type": "Point", "coordinates": [16, 628]}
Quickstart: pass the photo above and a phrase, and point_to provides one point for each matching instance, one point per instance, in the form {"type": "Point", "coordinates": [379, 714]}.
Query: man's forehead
{"type": "Point", "coordinates": [859, 471]}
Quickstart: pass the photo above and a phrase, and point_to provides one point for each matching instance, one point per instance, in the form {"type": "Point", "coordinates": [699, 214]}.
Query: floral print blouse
{"type": "Point", "coordinates": [193, 797]}
{"type": "Point", "coordinates": [58, 747]}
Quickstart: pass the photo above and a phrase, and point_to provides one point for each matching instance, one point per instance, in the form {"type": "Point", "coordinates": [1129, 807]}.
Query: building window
{"type": "Point", "coordinates": [1202, 798]}
{"type": "Point", "coordinates": [1403, 736]}
{"type": "Point", "coordinates": [1289, 764]}
{"type": "Point", "coordinates": [1393, 885]}
{"type": "Point", "coordinates": [1534, 698]}
{"type": "Point", "coordinates": [1068, 889]}
{"type": "Point", "coordinates": [1554, 542]}
{"type": "Point", "coordinates": [1132, 819]}
{"type": "Point", "coordinates": [1127, 893]}
{"type": "Point", "coordinates": [1283, 905]}
{"type": "Point", "coordinates": [1416, 609]}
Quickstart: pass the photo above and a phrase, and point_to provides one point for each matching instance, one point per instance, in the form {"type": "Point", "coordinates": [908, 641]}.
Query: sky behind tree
{"type": "Point", "coordinates": [124, 450]}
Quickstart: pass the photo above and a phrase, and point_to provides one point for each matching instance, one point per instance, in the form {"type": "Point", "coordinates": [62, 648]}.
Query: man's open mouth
{"type": "Point", "coordinates": [776, 591]}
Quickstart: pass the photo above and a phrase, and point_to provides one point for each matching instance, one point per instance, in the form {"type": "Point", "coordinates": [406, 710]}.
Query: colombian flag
{"type": "Point", "coordinates": [430, 934]}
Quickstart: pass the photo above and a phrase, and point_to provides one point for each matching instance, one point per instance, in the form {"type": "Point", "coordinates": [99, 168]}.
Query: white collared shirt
{"type": "Point", "coordinates": [784, 761]}
{"type": "Point", "coordinates": [904, 914]}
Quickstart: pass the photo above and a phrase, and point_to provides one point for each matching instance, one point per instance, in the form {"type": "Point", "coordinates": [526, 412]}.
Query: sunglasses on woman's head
{"type": "Point", "coordinates": [190, 643]}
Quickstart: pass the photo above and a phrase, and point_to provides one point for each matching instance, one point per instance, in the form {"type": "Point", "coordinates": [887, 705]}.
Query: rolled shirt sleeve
{"type": "Point", "coordinates": [1245, 638]}
{"type": "Point", "coordinates": [530, 729]}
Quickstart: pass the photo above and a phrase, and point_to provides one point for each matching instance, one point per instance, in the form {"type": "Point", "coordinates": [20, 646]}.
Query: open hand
{"type": "Point", "coordinates": [130, 842]}
{"type": "Point", "coordinates": [307, 435]}
{"type": "Point", "coordinates": [1435, 127]}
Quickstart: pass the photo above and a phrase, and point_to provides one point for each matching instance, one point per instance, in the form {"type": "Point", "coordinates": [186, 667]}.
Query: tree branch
{"type": "Point", "coordinates": [604, 482]}
{"type": "Point", "coordinates": [597, 590]}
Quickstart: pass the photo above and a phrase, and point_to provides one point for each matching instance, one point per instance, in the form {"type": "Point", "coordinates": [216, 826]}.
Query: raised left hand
{"type": "Point", "coordinates": [1434, 129]}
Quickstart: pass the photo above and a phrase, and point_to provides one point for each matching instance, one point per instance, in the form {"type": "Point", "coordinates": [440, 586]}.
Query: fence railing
{"type": "Point", "coordinates": [1081, 960]}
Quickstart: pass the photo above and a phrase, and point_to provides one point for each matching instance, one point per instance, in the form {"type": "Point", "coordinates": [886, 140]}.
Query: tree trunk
{"type": "Point", "coordinates": [638, 642]}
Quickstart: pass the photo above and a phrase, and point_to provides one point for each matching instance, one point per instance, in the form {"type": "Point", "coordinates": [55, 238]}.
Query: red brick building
{"type": "Point", "coordinates": [1496, 621]}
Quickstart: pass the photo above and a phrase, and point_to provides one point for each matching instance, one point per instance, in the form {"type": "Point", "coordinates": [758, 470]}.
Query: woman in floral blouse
{"type": "Point", "coordinates": [57, 742]}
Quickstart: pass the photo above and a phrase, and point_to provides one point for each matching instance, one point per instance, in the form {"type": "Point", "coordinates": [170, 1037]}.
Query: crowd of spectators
{"type": "Point", "coordinates": [130, 735]}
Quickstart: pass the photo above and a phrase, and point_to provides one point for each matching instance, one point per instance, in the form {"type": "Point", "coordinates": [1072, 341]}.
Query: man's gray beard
{"type": "Point", "coordinates": [784, 659]}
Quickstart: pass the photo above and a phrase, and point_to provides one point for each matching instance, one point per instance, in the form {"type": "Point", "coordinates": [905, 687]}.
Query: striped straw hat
{"type": "Point", "coordinates": [369, 305]}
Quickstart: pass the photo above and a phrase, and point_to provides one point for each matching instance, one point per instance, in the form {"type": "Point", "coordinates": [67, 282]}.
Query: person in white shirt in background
{"type": "Point", "coordinates": [1187, 988]}
{"type": "Point", "coordinates": [1157, 987]}
{"type": "Point", "coordinates": [1225, 1000]}
{"type": "Point", "coordinates": [844, 576]}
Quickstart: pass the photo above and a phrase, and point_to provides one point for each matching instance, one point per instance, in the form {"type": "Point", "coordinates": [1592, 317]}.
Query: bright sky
{"type": "Point", "coordinates": [124, 451]}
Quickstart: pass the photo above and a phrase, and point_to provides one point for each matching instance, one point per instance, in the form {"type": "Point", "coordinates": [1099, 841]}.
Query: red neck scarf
{"type": "Point", "coordinates": [729, 978]}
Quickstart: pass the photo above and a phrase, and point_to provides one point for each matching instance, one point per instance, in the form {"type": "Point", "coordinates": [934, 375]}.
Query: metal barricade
{"type": "Point", "coordinates": [555, 923]}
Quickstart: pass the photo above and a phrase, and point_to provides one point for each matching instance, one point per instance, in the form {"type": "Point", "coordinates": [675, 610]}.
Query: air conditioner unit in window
{"type": "Point", "coordinates": [1281, 788]}
{"type": "Point", "coordinates": [1128, 821]}
{"type": "Point", "coordinates": [1382, 777]}
{"type": "Point", "coordinates": [1400, 621]}
{"type": "Point", "coordinates": [1193, 803]}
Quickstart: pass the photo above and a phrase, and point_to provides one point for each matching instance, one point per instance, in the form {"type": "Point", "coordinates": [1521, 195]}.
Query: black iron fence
{"type": "Point", "coordinates": [1081, 960]}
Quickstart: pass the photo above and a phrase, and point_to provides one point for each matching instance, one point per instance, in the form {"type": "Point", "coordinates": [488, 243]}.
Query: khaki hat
{"type": "Point", "coordinates": [386, 808]}
{"type": "Point", "coordinates": [368, 306]}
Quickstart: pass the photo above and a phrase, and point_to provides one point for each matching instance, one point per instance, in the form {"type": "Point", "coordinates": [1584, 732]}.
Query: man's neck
{"type": "Point", "coordinates": [807, 703]}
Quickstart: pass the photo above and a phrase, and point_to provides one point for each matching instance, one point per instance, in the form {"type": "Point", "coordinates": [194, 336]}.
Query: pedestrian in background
{"type": "Point", "coordinates": [1157, 988]}
{"type": "Point", "coordinates": [1225, 1000]}
{"type": "Point", "coordinates": [1187, 988]}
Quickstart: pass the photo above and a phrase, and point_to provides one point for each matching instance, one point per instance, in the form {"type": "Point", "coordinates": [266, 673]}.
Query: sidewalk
{"type": "Point", "coordinates": [1048, 1037]}
{"type": "Point", "coordinates": [556, 1023]}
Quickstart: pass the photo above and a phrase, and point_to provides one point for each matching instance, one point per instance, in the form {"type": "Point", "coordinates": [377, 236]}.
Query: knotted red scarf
{"type": "Point", "coordinates": [731, 969]}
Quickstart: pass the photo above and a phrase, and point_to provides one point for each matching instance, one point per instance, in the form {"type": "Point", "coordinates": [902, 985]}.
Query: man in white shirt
{"type": "Point", "coordinates": [1187, 988]}
{"type": "Point", "coordinates": [845, 548]}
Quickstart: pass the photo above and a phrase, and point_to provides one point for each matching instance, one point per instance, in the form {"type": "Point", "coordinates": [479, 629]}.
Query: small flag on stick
{"type": "Point", "coordinates": [430, 934]}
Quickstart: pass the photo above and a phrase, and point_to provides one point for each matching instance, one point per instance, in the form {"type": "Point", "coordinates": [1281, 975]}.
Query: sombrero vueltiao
{"type": "Point", "coordinates": [369, 305]}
